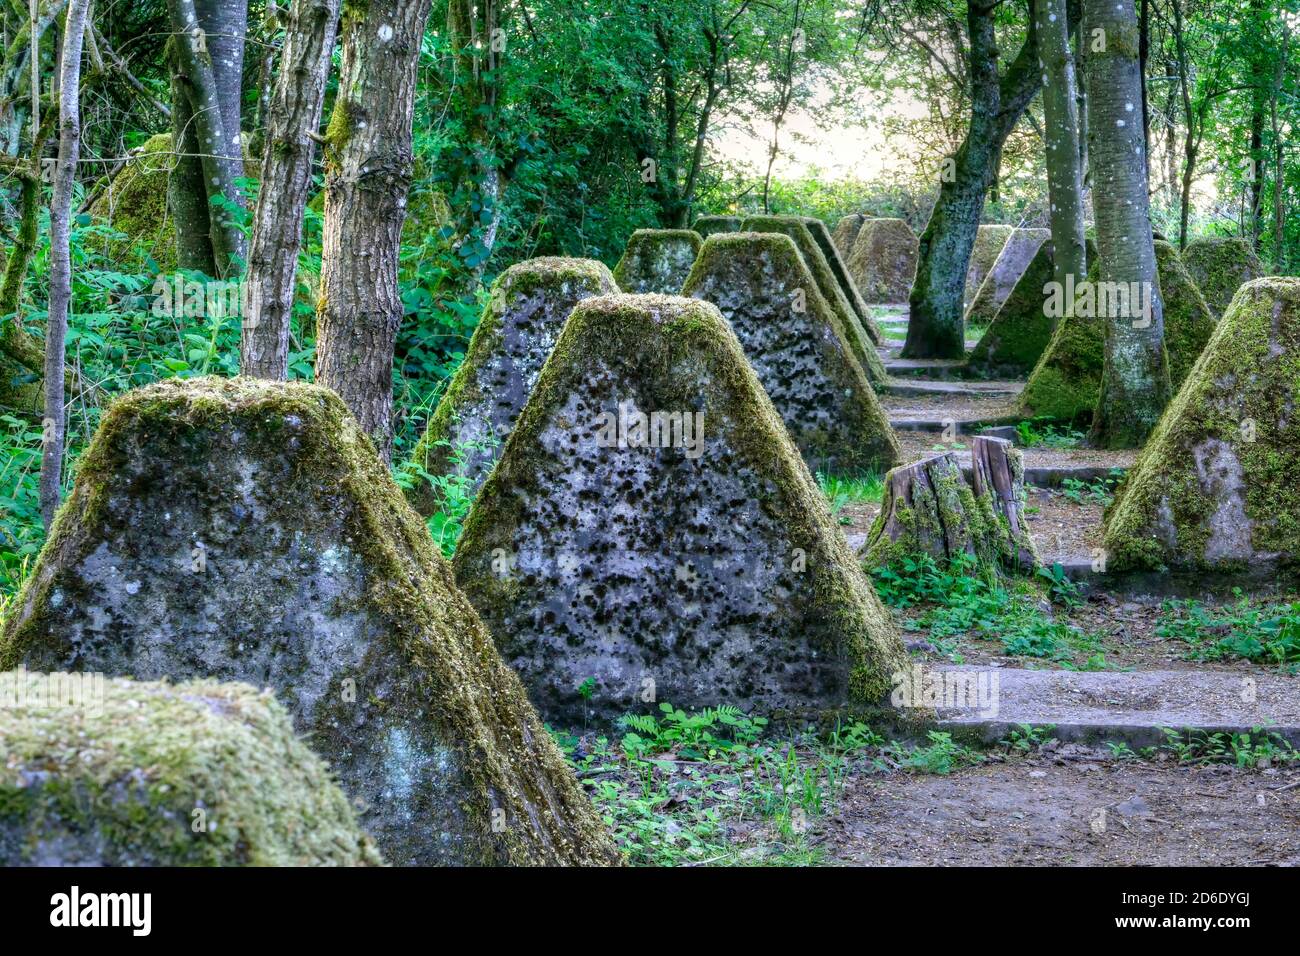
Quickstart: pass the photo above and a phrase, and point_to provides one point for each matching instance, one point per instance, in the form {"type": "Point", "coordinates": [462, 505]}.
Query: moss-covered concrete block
{"type": "Point", "coordinates": [1066, 382]}
{"type": "Point", "coordinates": [116, 772]}
{"type": "Point", "coordinates": [529, 304]}
{"type": "Point", "coordinates": [799, 347]}
{"type": "Point", "coordinates": [706, 226]}
{"type": "Point", "coordinates": [845, 233]}
{"type": "Point", "coordinates": [1016, 256]}
{"type": "Point", "coordinates": [1217, 485]}
{"type": "Point", "coordinates": [621, 560]}
{"type": "Point", "coordinates": [883, 261]}
{"type": "Point", "coordinates": [1022, 327]}
{"type": "Point", "coordinates": [796, 227]}
{"type": "Point", "coordinates": [134, 202]}
{"type": "Point", "coordinates": [1220, 265]}
{"type": "Point", "coordinates": [989, 241]}
{"type": "Point", "coordinates": [247, 530]}
{"type": "Point", "coordinates": [840, 269]}
{"type": "Point", "coordinates": [657, 260]}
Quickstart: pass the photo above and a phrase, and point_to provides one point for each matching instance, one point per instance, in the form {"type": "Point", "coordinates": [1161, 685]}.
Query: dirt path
{"type": "Point", "coordinates": [1075, 808]}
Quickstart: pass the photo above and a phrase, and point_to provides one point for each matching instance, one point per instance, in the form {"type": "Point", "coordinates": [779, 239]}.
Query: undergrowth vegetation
{"type": "Point", "coordinates": [1247, 628]}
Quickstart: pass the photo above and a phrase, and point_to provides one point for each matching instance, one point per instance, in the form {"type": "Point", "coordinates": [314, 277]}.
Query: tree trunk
{"type": "Point", "coordinates": [1135, 380]}
{"type": "Point", "coordinates": [56, 331]}
{"type": "Point", "coordinates": [367, 177]}
{"type": "Point", "coordinates": [936, 327]}
{"type": "Point", "coordinates": [207, 51]}
{"type": "Point", "coordinates": [293, 118]}
{"type": "Point", "coordinates": [1061, 140]}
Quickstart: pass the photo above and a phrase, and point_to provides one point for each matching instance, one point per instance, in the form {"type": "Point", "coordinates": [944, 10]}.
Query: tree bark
{"type": "Point", "coordinates": [65, 172]}
{"type": "Point", "coordinates": [367, 177]}
{"type": "Point", "coordinates": [1135, 379]}
{"type": "Point", "coordinates": [1061, 140]}
{"type": "Point", "coordinates": [207, 49]}
{"type": "Point", "coordinates": [936, 327]}
{"type": "Point", "coordinates": [293, 119]}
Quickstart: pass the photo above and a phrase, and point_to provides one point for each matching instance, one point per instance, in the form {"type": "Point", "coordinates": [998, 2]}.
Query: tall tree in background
{"type": "Point", "coordinates": [1135, 381]}
{"type": "Point", "coordinates": [367, 178]}
{"type": "Point", "coordinates": [936, 327]}
{"type": "Point", "coordinates": [293, 117]}
{"type": "Point", "coordinates": [207, 59]}
{"type": "Point", "coordinates": [56, 330]}
{"type": "Point", "coordinates": [1061, 137]}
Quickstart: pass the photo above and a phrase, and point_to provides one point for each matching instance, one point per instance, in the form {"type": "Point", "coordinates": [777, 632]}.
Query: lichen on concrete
{"type": "Point", "coordinates": [1216, 486]}
{"type": "Point", "coordinates": [840, 269]}
{"type": "Point", "coordinates": [123, 773]}
{"type": "Point", "coordinates": [1220, 265]}
{"type": "Point", "coordinates": [648, 572]}
{"type": "Point", "coordinates": [528, 306]}
{"type": "Point", "coordinates": [657, 260]}
{"type": "Point", "coordinates": [989, 241]}
{"type": "Point", "coordinates": [796, 227]}
{"type": "Point", "coordinates": [846, 233]}
{"type": "Point", "coordinates": [706, 226]}
{"type": "Point", "coordinates": [883, 261]}
{"type": "Point", "coordinates": [1020, 250]}
{"type": "Point", "coordinates": [247, 530]}
{"type": "Point", "coordinates": [799, 348]}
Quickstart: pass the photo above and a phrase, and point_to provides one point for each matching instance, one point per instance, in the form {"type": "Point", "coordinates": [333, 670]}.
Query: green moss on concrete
{"type": "Point", "coordinates": [529, 303]}
{"type": "Point", "coordinates": [1217, 485]}
{"type": "Point", "coordinates": [154, 774]}
{"type": "Point", "coordinates": [883, 261]}
{"type": "Point", "coordinates": [846, 233]}
{"type": "Point", "coordinates": [134, 202]}
{"type": "Point", "coordinates": [796, 228]}
{"type": "Point", "coordinates": [1066, 382]}
{"type": "Point", "coordinates": [669, 353]}
{"type": "Point", "coordinates": [989, 242]}
{"type": "Point", "coordinates": [1019, 253]}
{"type": "Point", "coordinates": [708, 225]}
{"type": "Point", "coordinates": [657, 260]}
{"type": "Point", "coordinates": [840, 269]}
{"type": "Point", "coordinates": [846, 426]}
{"type": "Point", "coordinates": [306, 490]}
{"type": "Point", "coordinates": [1219, 266]}
{"type": "Point", "coordinates": [1021, 330]}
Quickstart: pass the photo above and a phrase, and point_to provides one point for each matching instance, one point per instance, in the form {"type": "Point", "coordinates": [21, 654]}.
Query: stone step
{"type": "Point", "coordinates": [907, 422]}
{"type": "Point", "coordinates": [1133, 707]}
{"type": "Point", "coordinates": [1091, 572]}
{"type": "Point", "coordinates": [955, 389]}
{"type": "Point", "coordinates": [931, 368]}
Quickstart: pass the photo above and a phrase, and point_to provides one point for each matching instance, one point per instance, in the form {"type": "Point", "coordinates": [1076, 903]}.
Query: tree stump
{"type": "Point", "coordinates": [930, 508]}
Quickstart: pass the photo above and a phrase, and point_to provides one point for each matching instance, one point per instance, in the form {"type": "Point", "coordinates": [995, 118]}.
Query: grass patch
{"type": "Point", "coordinates": [840, 492]}
{"type": "Point", "coordinates": [1247, 629]}
{"type": "Point", "coordinates": [1043, 433]}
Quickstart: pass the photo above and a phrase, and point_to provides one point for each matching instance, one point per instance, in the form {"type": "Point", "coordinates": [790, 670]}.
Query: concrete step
{"type": "Point", "coordinates": [938, 423]}
{"type": "Point", "coordinates": [1092, 573]}
{"type": "Point", "coordinates": [1133, 707]}
{"type": "Point", "coordinates": [955, 389]}
{"type": "Point", "coordinates": [927, 368]}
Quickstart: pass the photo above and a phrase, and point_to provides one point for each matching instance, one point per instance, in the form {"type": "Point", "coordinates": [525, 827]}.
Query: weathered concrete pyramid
{"type": "Point", "coordinates": [989, 240]}
{"type": "Point", "coordinates": [529, 304]}
{"type": "Point", "coordinates": [651, 534]}
{"type": "Point", "coordinates": [864, 349]}
{"type": "Point", "coordinates": [846, 233]}
{"type": "Point", "coordinates": [657, 260]}
{"type": "Point", "coordinates": [1216, 486]}
{"type": "Point", "coordinates": [122, 773]}
{"type": "Point", "coordinates": [245, 530]}
{"type": "Point", "coordinates": [799, 347]}
{"type": "Point", "coordinates": [706, 226]}
{"type": "Point", "coordinates": [883, 260]}
{"type": "Point", "coordinates": [1066, 382]}
{"type": "Point", "coordinates": [1016, 256]}
{"type": "Point", "coordinates": [840, 269]}
{"type": "Point", "coordinates": [1220, 266]}
{"type": "Point", "coordinates": [1022, 328]}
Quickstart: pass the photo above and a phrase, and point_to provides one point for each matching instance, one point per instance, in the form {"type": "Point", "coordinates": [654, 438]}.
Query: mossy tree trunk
{"type": "Point", "coordinates": [1135, 383]}
{"type": "Point", "coordinates": [1056, 22]}
{"type": "Point", "coordinates": [367, 177]}
{"type": "Point", "coordinates": [293, 118]}
{"type": "Point", "coordinates": [936, 328]}
{"type": "Point", "coordinates": [207, 61]}
{"type": "Point", "coordinates": [56, 329]}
